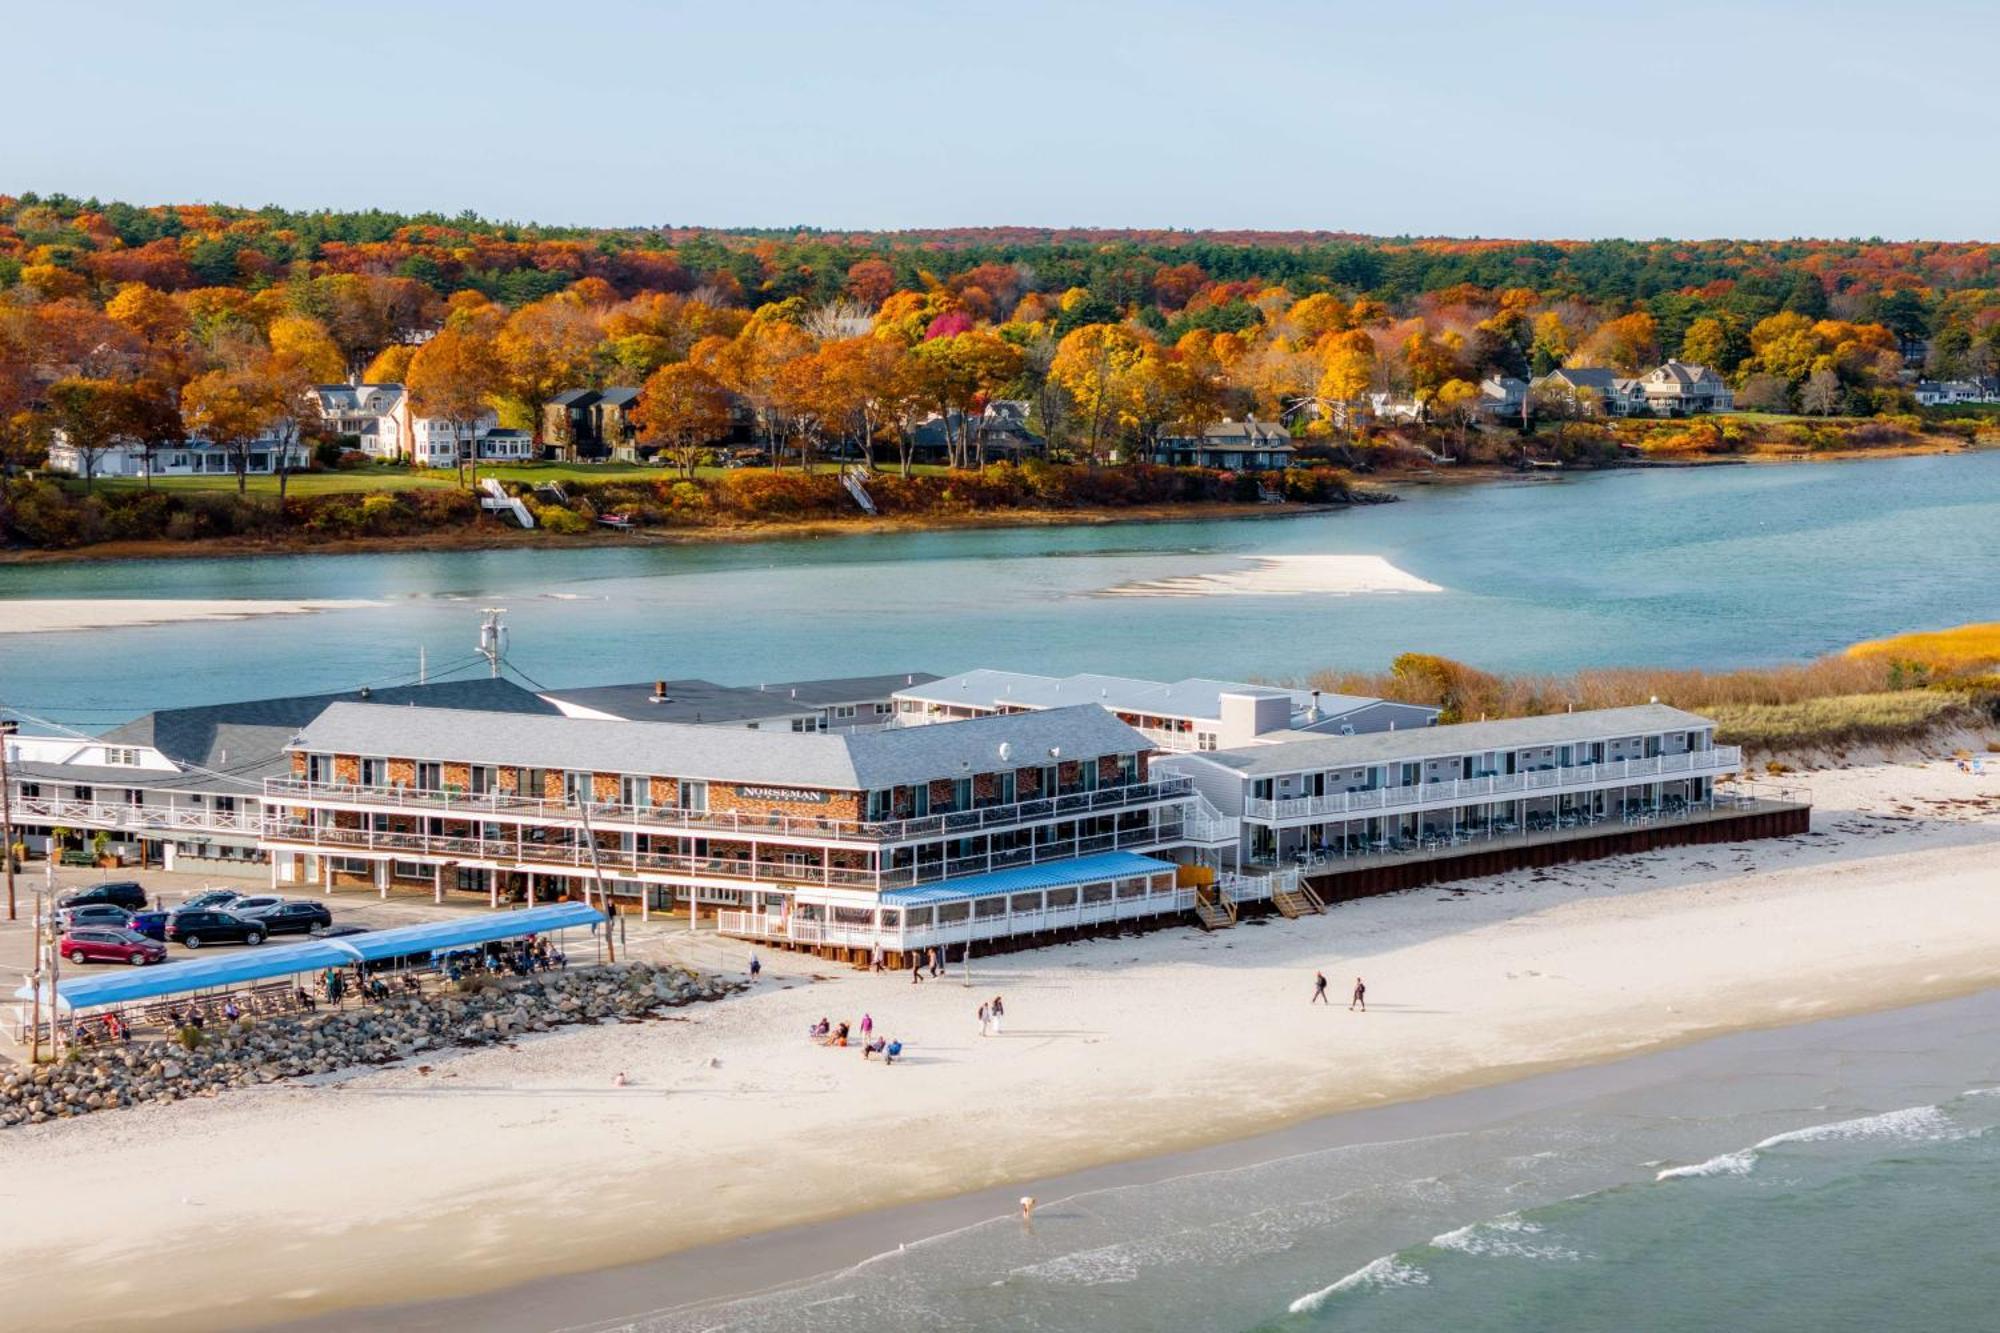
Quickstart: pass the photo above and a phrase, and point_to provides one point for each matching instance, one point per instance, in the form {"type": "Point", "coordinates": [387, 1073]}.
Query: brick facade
{"type": "Point", "coordinates": [604, 787]}
{"type": "Point", "coordinates": [347, 768]}
{"type": "Point", "coordinates": [665, 793]}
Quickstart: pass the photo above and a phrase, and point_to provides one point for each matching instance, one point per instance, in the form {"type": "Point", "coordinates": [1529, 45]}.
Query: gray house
{"type": "Point", "coordinates": [1232, 446]}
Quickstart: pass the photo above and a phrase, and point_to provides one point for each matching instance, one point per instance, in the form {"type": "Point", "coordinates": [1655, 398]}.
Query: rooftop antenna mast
{"type": "Point", "coordinates": [493, 638]}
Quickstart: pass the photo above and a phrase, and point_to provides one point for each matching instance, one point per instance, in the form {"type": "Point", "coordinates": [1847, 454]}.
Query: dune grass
{"type": "Point", "coordinates": [1838, 721]}
{"type": "Point", "coordinates": [1960, 648]}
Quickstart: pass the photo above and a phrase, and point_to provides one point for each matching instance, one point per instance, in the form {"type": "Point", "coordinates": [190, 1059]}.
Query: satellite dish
{"type": "Point", "coordinates": [1006, 751]}
{"type": "Point", "coordinates": [1055, 752]}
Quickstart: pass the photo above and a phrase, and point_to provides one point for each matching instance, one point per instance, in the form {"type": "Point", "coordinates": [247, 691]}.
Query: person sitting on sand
{"type": "Point", "coordinates": [819, 1030]}
{"type": "Point", "coordinates": [875, 1047]}
{"type": "Point", "coordinates": [840, 1034]}
{"type": "Point", "coordinates": [889, 1054]}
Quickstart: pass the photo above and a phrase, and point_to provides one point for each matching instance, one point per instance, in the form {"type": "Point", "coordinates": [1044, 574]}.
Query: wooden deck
{"type": "Point", "coordinates": [1392, 872]}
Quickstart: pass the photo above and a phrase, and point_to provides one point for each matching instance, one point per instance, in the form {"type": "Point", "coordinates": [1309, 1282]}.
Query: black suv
{"type": "Point", "coordinates": [200, 927]}
{"type": "Point", "coordinates": [294, 918]}
{"type": "Point", "coordinates": [123, 893]}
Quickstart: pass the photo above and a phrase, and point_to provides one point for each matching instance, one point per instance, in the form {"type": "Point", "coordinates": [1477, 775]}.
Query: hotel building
{"type": "Point", "coordinates": [906, 836]}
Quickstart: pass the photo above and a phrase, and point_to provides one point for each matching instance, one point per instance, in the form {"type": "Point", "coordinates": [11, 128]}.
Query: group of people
{"type": "Point", "coordinates": [839, 1034]}
{"type": "Point", "coordinates": [930, 960]}
{"type": "Point", "coordinates": [515, 957]}
{"type": "Point", "coordinates": [992, 1016]}
{"type": "Point", "coordinates": [1357, 1001]}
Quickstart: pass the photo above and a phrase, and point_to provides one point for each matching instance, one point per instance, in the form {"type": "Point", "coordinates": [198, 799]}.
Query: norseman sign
{"type": "Point", "coordinates": [796, 795]}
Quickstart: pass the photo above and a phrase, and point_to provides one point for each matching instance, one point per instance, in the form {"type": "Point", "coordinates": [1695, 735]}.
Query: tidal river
{"type": "Point", "coordinates": [1713, 567]}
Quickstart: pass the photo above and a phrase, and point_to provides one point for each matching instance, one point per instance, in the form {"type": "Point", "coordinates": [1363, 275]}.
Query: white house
{"type": "Point", "coordinates": [1679, 389]}
{"type": "Point", "coordinates": [377, 415]}
{"type": "Point", "coordinates": [180, 458]}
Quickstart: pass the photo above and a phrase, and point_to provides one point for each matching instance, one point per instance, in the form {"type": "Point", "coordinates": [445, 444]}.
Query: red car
{"type": "Point", "coordinates": [95, 945]}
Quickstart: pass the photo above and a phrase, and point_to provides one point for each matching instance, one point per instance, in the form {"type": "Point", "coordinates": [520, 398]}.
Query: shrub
{"type": "Point", "coordinates": [563, 522]}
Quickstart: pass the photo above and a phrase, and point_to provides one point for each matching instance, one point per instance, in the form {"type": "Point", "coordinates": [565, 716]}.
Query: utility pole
{"type": "Point", "coordinates": [8, 728]}
{"type": "Point", "coordinates": [493, 638]}
{"type": "Point", "coordinates": [35, 983]}
{"type": "Point", "coordinates": [597, 873]}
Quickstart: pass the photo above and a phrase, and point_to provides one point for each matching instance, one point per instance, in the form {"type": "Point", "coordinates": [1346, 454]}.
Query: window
{"type": "Point", "coordinates": [319, 768]}
{"type": "Point", "coordinates": [133, 796]}
{"type": "Point", "coordinates": [635, 792]}
{"type": "Point", "coordinates": [430, 777]}
{"type": "Point", "coordinates": [883, 710]}
{"type": "Point", "coordinates": [85, 794]}
{"type": "Point", "coordinates": [225, 805]}
{"type": "Point", "coordinates": [844, 710]}
{"type": "Point", "coordinates": [120, 756]}
{"type": "Point", "coordinates": [482, 777]}
{"type": "Point", "coordinates": [577, 788]}
{"type": "Point", "coordinates": [30, 790]}
{"type": "Point", "coordinates": [373, 771]}
{"type": "Point", "coordinates": [694, 796]}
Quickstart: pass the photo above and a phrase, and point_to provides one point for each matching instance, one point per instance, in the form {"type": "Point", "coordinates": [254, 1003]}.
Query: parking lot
{"type": "Point", "coordinates": [661, 940]}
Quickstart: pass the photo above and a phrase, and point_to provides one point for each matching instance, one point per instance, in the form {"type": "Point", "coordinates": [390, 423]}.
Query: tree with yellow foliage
{"type": "Point", "coordinates": [1347, 368]}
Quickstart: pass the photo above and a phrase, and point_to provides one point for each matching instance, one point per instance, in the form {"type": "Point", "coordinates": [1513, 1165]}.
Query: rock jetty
{"type": "Point", "coordinates": [265, 1050]}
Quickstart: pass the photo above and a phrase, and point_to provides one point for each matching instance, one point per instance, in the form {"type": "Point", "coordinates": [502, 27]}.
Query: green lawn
{"type": "Point", "coordinates": [406, 479]}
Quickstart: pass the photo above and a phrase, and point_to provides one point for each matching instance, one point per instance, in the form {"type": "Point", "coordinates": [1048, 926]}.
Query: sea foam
{"type": "Point", "coordinates": [1383, 1273]}
{"type": "Point", "coordinates": [1504, 1237]}
{"type": "Point", "coordinates": [1912, 1124]}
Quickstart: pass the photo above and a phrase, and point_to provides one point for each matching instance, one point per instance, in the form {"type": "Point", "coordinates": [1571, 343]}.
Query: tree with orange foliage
{"type": "Point", "coordinates": [452, 376]}
{"type": "Point", "coordinates": [545, 348]}
{"type": "Point", "coordinates": [92, 417]}
{"type": "Point", "coordinates": [233, 409]}
{"type": "Point", "coordinates": [1347, 368]}
{"type": "Point", "coordinates": [683, 410]}
{"type": "Point", "coordinates": [1630, 343]}
{"type": "Point", "coordinates": [957, 375]}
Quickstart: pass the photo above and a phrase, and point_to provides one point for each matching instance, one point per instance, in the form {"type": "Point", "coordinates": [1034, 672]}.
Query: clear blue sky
{"type": "Point", "coordinates": [1770, 119]}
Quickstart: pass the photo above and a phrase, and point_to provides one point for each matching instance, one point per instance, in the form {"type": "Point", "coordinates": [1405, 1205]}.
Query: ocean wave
{"type": "Point", "coordinates": [1912, 1124]}
{"type": "Point", "coordinates": [1728, 1164]}
{"type": "Point", "coordinates": [1500, 1238]}
{"type": "Point", "coordinates": [1382, 1274]}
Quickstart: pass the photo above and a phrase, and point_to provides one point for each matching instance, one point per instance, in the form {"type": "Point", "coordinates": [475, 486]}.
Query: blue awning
{"type": "Point", "coordinates": [1026, 879]}
{"type": "Point", "coordinates": [240, 967]}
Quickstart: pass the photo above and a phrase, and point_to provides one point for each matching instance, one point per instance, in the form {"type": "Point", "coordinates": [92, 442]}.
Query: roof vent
{"type": "Point", "coordinates": [659, 694]}
{"type": "Point", "coordinates": [365, 691]}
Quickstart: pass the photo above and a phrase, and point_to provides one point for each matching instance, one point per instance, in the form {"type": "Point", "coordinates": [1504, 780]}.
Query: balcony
{"type": "Point", "coordinates": [1461, 791]}
{"type": "Point", "coordinates": [499, 806]}
{"type": "Point", "coordinates": [281, 832]}
{"type": "Point", "coordinates": [137, 820]}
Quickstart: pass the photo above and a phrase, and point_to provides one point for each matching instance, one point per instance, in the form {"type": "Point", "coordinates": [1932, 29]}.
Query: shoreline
{"type": "Point", "coordinates": [495, 1167]}
{"type": "Point", "coordinates": [1376, 488]}
{"type": "Point", "coordinates": [496, 538]}
{"type": "Point", "coordinates": [800, 1256]}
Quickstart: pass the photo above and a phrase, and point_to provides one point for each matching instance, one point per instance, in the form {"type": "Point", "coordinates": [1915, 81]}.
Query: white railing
{"type": "Point", "coordinates": [1457, 791]}
{"type": "Point", "coordinates": [616, 814]}
{"type": "Point", "coordinates": [138, 819]}
{"type": "Point", "coordinates": [1241, 888]}
{"type": "Point", "coordinates": [282, 832]}
{"type": "Point", "coordinates": [1003, 925]}
{"type": "Point", "coordinates": [1206, 826]}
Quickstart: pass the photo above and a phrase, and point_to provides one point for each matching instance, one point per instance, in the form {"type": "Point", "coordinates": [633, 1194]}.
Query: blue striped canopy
{"type": "Point", "coordinates": [1026, 879]}
{"type": "Point", "coordinates": [217, 971]}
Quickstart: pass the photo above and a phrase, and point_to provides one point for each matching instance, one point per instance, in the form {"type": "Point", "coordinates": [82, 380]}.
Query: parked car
{"type": "Point", "coordinates": [295, 918]}
{"type": "Point", "coordinates": [89, 945]}
{"type": "Point", "coordinates": [206, 926]}
{"type": "Point", "coordinates": [99, 915]}
{"type": "Point", "coordinates": [210, 898]}
{"type": "Point", "coordinates": [153, 925]}
{"type": "Point", "coordinates": [255, 905]}
{"type": "Point", "coordinates": [123, 893]}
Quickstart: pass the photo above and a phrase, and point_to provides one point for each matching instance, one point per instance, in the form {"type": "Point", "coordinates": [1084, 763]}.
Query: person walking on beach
{"type": "Point", "coordinates": [1360, 999]}
{"type": "Point", "coordinates": [876, 958]}
{"type": "Point", "coordinates": [1319, 990]}
{"type": "Point", "coordinates": [999, 1015]}
{"type": "Point", "coordinates": [937, 970]}
{"type": "Point", "coordinates": [916, 968]}
{"type": "Point", "coordinates": [985, 1020]}
{"type": "Point", "coordinates": [756, 966]}
{"type": "Point", "coordinates": [867, 1027]}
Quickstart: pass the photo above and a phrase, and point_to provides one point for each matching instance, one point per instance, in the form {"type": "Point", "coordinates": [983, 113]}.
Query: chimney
{"type": "Point", "coordinates": [659, 692]}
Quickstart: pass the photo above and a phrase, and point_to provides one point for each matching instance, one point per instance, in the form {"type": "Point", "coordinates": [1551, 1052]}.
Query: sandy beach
{"type": "Point", "coordinates": [486, 1169]}
{"type": "Point", "coordinates": [56, 615]}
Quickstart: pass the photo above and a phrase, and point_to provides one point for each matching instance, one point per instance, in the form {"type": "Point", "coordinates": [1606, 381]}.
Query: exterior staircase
{"type": "Point", "coordinates": [1296, 899]}
{"type": "Point", "coordinates": [851, 479]}
{"type": "Point", "coordinates": [1213, 909]}
{"type": "Point", "coordinates": [494, 496]}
